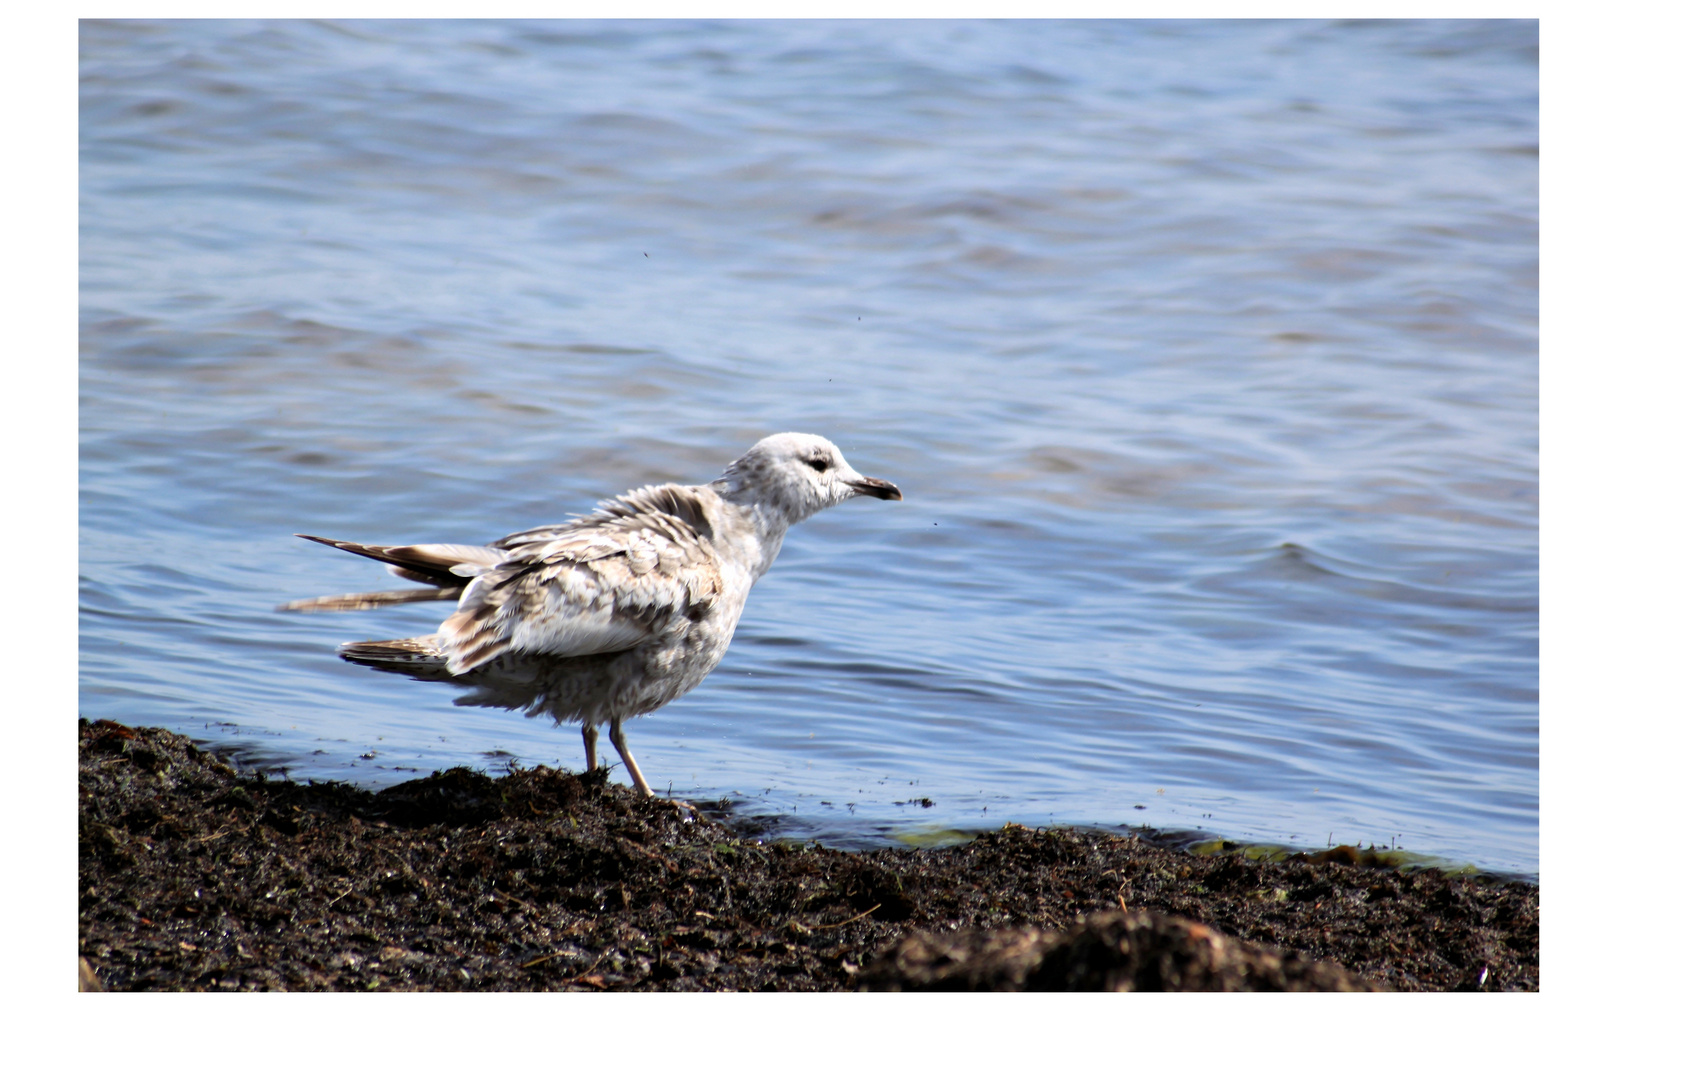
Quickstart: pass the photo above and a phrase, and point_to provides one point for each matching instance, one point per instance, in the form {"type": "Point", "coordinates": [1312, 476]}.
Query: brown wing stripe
{"type": "Point", "coordinates": [366, 600]}
{"type": "Point", "coordinates": [420, 570]}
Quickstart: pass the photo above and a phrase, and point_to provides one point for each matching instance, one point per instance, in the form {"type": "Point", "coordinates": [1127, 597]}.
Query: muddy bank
{"type": "Point", "coordinates": [194, 877]}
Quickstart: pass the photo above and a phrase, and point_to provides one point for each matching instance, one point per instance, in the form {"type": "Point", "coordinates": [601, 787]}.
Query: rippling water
{"type": "Point", "coordinates": [1205, 353]}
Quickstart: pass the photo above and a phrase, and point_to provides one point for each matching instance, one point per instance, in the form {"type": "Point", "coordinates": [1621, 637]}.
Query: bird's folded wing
{"type": "Point", "coordinates": [675, 511]}
{"type": "Point", "coordinates": [596, 588]}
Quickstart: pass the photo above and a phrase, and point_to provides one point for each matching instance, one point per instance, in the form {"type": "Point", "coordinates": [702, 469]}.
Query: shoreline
{"type": "Point", "coordinates": [192, 876]}
{"type": "Point", "coordinates": [751, 818]}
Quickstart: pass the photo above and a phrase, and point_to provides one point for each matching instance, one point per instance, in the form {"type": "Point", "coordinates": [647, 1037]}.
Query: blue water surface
{"type": "Point", "coordinates": [1204, 352]}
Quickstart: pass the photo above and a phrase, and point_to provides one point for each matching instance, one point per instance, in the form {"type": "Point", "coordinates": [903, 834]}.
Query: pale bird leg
{"type": "Point", "coordinates": [617, 734]}
{"type": "Point", "coordinates": [589, 736]}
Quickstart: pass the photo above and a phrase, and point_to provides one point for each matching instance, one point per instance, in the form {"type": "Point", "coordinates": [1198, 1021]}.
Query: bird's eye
{"type": "Point", "coordinates": [819, 464]}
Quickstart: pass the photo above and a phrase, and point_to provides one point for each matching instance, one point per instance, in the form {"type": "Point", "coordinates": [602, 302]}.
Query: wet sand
{"type": "Point", "coordinates": [195, 877]}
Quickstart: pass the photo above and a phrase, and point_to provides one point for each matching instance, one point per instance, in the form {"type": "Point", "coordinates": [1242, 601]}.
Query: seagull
{"type": "Point", "coordinates": [616, 613]}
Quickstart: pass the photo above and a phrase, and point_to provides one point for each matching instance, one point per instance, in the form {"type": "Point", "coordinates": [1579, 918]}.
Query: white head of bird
{"type": "Point", "coordinates": [796, 476]}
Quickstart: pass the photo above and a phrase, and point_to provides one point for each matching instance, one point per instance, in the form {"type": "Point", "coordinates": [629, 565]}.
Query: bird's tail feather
{"type": "Point", "coordinates": [419, 657]}
{"type": "Point", "coordinates": [363, 601]}
{"type": "Point", "coordinates": [433, 564]}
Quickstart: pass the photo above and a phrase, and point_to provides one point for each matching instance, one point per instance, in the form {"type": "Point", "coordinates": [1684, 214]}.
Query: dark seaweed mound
{"type": "Point", "coordinates": [195, 877]}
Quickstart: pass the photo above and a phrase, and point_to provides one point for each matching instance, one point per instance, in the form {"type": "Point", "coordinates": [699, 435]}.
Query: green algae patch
{"type": "Point", "coordinates": [928, 839]}
{"type": "Point", "coordinates": [1384, 858]}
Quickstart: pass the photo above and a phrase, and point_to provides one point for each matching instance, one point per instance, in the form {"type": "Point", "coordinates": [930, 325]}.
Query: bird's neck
{"type": "Point", "coordinates": [769, 526]}
{"type": "Point", "coordinates": [756, 531]}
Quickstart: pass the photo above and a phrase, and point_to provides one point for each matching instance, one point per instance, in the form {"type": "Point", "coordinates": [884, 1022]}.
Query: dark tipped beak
{"type": "Point", "coordinates": [877, 489]}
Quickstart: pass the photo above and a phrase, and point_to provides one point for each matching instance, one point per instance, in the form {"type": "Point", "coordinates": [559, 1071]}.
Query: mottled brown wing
{"type": "Point", "coordinates": [602, 584]}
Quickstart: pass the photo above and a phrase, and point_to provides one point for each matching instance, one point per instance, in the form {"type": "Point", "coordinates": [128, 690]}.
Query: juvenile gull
{"type": "Point", "coordinates": [616, 613]}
